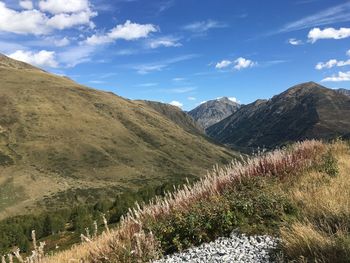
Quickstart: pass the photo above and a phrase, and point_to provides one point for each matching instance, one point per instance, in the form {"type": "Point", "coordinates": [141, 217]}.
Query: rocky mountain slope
{"type": "Point", "coordinates": [61, 142]}
{"type": "Point", "coordinates": [304, 111]}
{"type": "Point", "coordinates": [344, 91]}
{"type": "Point", "coordinates": [213, 111]}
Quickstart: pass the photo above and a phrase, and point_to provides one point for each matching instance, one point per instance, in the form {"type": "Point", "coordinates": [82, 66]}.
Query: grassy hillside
{"type": "Point", "coordinates": [176, 115]}
{"type": "Point", "coordinates": [62, 143]}
{"type": "Point", "coordinates": [299, 194]}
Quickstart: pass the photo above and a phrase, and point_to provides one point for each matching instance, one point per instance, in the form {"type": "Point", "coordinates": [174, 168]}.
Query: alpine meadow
{"type": "Point", "coordinates": [173, 131]}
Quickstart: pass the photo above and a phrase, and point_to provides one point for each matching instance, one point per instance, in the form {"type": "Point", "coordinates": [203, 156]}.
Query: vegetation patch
{"type": "Point", "coordinates": [250, 206]}
{"type": "Point", "coordinates": [5, 160]}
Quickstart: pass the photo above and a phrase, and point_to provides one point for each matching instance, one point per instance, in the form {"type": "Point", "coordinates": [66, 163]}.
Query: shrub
{"type": "Point", "coordinates": [329, 164]}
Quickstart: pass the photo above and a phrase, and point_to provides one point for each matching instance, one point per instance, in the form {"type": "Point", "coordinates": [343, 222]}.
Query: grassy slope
{"type": "Point", "coordinates": [300, 194]}
{"type": "Point", "coordinates": [58, 137]}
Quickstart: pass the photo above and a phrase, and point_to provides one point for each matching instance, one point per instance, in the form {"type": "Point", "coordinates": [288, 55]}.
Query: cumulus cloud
{"type": "Point", "coordinates": [295, 42]}
{"type": "Point", "coordinates": [328, 33]}
{"type": "Point", "coordinates": [63, 21]}
{"type": "Point", "coordinates": [332, 63]}
{"type": "Point", "coordinates": [64, 6]}
{"type": "Point", "coordinates": [39, 23]}
{"type": "Point", "coordinates": [26, 4]}
{"type": "Point", "coordinates": [238, 64]}
{"type": "Point", "coordinates": [176, 103]}
{"type": "Point", "coordinates": [223, 64]}
{"type": "Point", "coordinates": [28, 21]}
{"type": "Point", "coordinates": [163, 42]}
{"type": "Point", "coordinates": [128, 31]}
{"type": "Point", "coordinates": [42, 58]}
{"type": "Point", "coordinates": [204, 26]}
{"type": "Point", "coordinates": [242, 63]}
{"type": "Point", "coordinates": [341, 76]}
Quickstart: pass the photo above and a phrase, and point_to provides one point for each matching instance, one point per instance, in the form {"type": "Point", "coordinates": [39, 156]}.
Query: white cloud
{"type": "Point", "coordinates": [341, 76]}
{"type": "Point", "coordinates": [348, 53]}
{"type": "Point", "coordinates": [238, 64]}
{"type": "Point", "coordinates": [181, 90]}
{"type": "Point", "coordinates": [63, 21]}
{"type": "Point", "coordinates": [191, 98]}
{"type": "Point", "coordinates": [28, 21]}
{"type": "Point", "coordinates": [178, 79]}
{"type": "Point", "coordinates": [64, 6]}
{"type": "Point", "coordinates": [26, 4]}
{"type": "Point", "coordinates": [335, 14]}
{"type": "Point", "coordinates": [204, 26]}
{"type": "Point", "coordinates": [61, 42]}
{"type": "Point", "coordinates": [75, 55]}
{"type": "Point", "coordinates": [151, 84]}
{"type": "Point", "coordinates": [233, 99]}
{"type": "Point", "coordinates": [42, 58]}
{"type": "Point", "coordinates": [161, 65]}
{"type": "Point", "coordinates": [332, 63]}
{"type": "Point", "coordinates": [328, 33]}
{"type": "Point", "coordinates": [38, 23]}
{"type": "Point", "coordinates": [128, 31]}
{"type": "Point", "coordinates": [176, 103]}
{"type": "Point", "coordinates": [295, 42]}
{"type": "Point", "coordinates": [164, 42]}
{"type": "Point", "coordinates": [242, 63]}
{"type": "Point", "coordinates": [223, 64]}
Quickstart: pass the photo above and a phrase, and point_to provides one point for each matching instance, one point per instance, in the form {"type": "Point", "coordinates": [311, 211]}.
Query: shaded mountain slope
{"type": "Point", "coordinates": [304, 111]}
{"type": "Point", "coordinates": [60, 141]}
{"type": "Point", "coordinates": [176, 115]}
{"type": "Point", "coordinates": [213, 111]}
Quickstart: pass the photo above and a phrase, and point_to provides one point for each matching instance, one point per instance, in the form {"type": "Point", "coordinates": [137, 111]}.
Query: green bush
{"type": "Point", "coordinates": [251, 207]}
{"type": "Point", "coordinates": [330, 164]}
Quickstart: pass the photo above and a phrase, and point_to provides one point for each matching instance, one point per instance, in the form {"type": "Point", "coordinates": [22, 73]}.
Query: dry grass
{"type": "Point", "coordinates": [130, 243]}
{"type": "Point", "coordinates": [322, 234]}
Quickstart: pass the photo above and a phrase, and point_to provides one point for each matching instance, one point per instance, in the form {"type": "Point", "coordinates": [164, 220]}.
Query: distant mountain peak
{"type": "Point", "coordinates": [213, 111]}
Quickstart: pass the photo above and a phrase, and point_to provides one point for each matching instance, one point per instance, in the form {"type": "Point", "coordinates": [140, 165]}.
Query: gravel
{"type": "Point", "coordinates": [238, 248]}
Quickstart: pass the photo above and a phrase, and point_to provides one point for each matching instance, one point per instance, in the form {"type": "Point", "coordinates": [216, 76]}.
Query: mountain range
{"type": "Point", "coordinates": [305, 111]}
{"type": "Point", "coordinates": [62, 143]}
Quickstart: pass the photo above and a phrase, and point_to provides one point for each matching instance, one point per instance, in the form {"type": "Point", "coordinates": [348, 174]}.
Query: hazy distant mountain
{"type": "Point", "coordinates": [344, 91]}
{"type": "Point", "coordinates": [61, 140]}
{"type": "Point", "coordinates": [304, 111]}
{"type": "Point", "coordinates": [213, 111]}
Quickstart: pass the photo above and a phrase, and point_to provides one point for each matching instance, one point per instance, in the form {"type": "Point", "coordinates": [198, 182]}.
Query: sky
{"type": "Point", "coordinates": [183, 52]}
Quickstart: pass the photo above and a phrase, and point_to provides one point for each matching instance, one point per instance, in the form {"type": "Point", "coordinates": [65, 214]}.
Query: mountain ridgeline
{"type": "Point", "coordinates": [62, 143]}
{"type": "Point", "coordinates": [305, 111]}
{"type": "Point", "coordinates": [213, 111]}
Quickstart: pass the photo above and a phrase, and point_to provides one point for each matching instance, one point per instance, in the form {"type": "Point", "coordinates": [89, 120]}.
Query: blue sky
{"type": "Point", "coordinates": [183, 51]}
